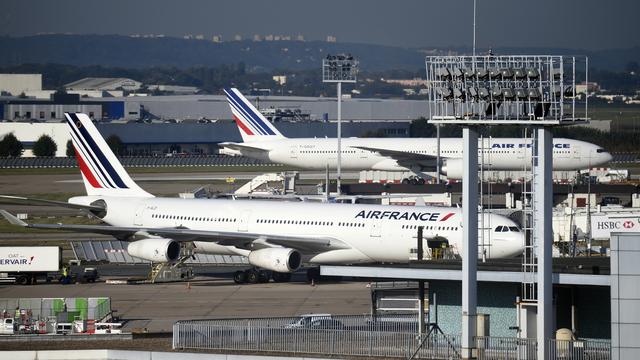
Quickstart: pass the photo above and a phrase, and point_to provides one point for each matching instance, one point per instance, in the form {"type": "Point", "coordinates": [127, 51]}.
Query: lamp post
{"type": "Point", "coordinates": [339, 69]}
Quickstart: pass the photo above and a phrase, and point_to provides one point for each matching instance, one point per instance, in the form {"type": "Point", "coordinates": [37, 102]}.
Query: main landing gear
{"type": "Point", "coordinates": [255, 276]}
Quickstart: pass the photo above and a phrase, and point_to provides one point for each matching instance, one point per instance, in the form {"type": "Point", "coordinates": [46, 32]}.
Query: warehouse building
{"type": "Point", "coordinates": [16, 84]}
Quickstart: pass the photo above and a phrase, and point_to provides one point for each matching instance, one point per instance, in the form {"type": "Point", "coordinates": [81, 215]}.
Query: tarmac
{"type": "Point", "coordinates": [155, 307]}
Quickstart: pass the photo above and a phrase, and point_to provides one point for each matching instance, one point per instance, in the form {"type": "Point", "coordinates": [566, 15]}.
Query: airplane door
{"type": "Point", "coordinates": [375, 229]}
{"type": "Point", "coordinates": [293, 151]}
{"type": "Point", "coordinates": [575, 152]}
{"type": "Point", "coordinates": [244, 221]}
{"type": "Point", "coordinates": [137, 219]}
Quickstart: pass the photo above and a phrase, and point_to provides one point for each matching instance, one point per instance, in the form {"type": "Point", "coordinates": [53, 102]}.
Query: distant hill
{"type": "Point", "coordinates": [129, 52]}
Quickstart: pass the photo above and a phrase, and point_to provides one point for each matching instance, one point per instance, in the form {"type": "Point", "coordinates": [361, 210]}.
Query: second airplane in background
{"type": "Point", "coordinates": [261, 140]}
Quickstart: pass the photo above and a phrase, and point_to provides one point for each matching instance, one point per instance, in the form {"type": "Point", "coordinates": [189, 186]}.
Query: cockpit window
{"type": "Point", "coordinates": [600, 150]}
{"type": "Point", "coordinates": [502, 228]}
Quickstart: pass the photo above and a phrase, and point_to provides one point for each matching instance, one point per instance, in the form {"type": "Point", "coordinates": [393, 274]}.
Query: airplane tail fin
{"type": "Point", "coordinates": [252, 124]}
{"type": "Point", "coordinates": [101, 171]}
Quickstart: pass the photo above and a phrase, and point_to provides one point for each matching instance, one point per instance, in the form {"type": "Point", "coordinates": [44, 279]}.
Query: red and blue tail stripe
{"type": "Point", "coordinates": [248, 118]}
{"type": "Point", "coordinates": [91, 159]}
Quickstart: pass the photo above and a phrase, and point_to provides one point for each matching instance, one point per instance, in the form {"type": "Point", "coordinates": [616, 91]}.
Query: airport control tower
{"type": "Point", "coordinates": [536, 92]}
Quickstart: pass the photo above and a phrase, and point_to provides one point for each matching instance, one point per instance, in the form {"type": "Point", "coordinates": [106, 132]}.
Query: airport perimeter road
{"type": "Point", "coordinates": [157, 306]}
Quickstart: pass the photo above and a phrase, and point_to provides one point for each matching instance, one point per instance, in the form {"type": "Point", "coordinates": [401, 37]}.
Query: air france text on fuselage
{"type": "Point", "coordinates": [402, 215]}
{"type": "Point", "coordinates": [513, 146]}
{"type": "Point", "coordinates": [528, 145]}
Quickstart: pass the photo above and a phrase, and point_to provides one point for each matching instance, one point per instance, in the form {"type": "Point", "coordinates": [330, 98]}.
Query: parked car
{"type": "Point", "coordinates": [305, 320]}
{"type": "Point", "coordinates": [326, 324]}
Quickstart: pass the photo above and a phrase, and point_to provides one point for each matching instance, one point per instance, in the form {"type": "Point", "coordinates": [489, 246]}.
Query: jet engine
{"type": "Point", "coordinates": [452, 168]}
{"type": "Point", "coordinates": [276, 259]}
{"type": "Point", "coordinates": [155, 250]}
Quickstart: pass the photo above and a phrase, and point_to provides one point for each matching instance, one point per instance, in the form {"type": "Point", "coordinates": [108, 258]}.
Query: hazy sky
{"type": "Point", "coordinates": [580, 24]}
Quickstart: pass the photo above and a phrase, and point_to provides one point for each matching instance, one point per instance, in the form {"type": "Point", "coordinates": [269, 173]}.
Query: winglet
{"type": "Point", "coordinates": [12, 219]}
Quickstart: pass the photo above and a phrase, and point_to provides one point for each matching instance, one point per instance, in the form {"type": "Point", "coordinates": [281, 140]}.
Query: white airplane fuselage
{"type": "Point", "coordinates": [372, 233]}
{"type": "Point", "coordinates": [496, 154]}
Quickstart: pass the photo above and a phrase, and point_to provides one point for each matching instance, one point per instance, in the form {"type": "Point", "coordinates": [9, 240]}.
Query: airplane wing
{"type": "Point", "coordinates": [241, 147]}
{"type": "Point", "coordinates": [403, 157]}
{"type": "Point", "coordinates": [32, 201]}
{"type": "Point", "coordinates": [304, 244]}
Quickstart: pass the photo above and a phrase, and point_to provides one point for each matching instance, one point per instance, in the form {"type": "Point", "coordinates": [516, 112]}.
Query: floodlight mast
{"type": "Point", "coordinates": [536, 91]}
{"type": "Point", "coordinates": [338, 69]}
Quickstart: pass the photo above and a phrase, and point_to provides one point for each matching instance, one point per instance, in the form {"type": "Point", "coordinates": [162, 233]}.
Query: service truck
{"type": "Point", "coordinates": [27, 264]}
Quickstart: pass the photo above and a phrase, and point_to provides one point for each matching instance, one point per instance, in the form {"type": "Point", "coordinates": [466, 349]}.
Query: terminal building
{"type": "Point", "coordinates": [197, 123]}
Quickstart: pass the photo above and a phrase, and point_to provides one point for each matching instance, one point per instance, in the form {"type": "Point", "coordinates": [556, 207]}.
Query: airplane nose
{"type": "Point", "coordinates": [607, 157]}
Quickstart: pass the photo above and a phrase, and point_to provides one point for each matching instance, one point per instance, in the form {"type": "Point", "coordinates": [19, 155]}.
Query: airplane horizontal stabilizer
{"type": "Point", "coordinates": [9, 199]}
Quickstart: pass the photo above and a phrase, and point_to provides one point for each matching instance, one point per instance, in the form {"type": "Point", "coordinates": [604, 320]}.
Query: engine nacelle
{"type": "Point", "coordinates": [452, 168]}
{"type": "Point", "coordinates": [276, 259]}
{"type": "Point", "coordinates": [155, 250]}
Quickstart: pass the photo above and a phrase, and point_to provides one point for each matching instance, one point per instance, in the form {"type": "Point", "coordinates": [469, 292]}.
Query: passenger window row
{"type": "Point", "coordinates": [192, 218]}
{"type": "Point", "coordinates": [307, 222]}
{"type": "Point", "coordinates": [446, 228]}
{"type": "Point", "coordinates": [327, 152]}
{"type": "Point", "coordinates": [296, 222]}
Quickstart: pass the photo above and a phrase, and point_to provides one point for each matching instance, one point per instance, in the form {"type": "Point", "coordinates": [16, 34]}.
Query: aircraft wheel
{"type": "Point", "coordinates": [405, 181]}
{"type": "Point", "coordinates": [253, 277]}
{"type": "Point", "coordinates": [421, 181]}
{"type": "Point", "coordinates": [239, 277]}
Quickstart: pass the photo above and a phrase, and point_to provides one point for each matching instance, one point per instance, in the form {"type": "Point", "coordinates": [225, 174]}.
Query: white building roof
{"type": "Point", "coordinates": [91, 83]}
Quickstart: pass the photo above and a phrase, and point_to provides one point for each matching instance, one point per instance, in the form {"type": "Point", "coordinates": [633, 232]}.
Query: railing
{"type": "Point", "coordinates": [526, 349]}
{"type": "Point", "coordinates": [387, 337]}
{"type": "Point", "coordinates": [587, 349]}
{"type": "Point", "coordinates": [506, 348]}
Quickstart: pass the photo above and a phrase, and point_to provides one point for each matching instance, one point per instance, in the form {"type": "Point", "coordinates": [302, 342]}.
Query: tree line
{"type": "Point", "coordinates": [45, 146]}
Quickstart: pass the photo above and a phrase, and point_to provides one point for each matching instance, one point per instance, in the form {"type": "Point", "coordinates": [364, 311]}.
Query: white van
{"type": "Point", "coordinates": [6, 326]}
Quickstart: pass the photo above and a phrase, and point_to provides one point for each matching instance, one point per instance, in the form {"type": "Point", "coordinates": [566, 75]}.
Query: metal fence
{"type": "Point", "coordinates": [383, 336]}
{"type": "Point", "coordinates": [134, 161]}
{"type": "Point", "coordinates": [499, 348]}
{"type": "Point", "coordinates": [581, 349]}
{"type": "Point", "coordinates": [389, 336]}
{"type": "Point", "coordinates": [506, 348]}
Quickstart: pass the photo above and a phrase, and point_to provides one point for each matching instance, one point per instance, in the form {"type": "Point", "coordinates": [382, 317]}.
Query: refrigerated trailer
{"type": "Point", "coordinates": [27, 264]}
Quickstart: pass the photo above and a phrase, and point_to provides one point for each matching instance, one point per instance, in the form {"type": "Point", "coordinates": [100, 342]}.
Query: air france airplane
{"type": "Point", "coordinates": [261, 140]}
{"type": "Point", "coordinates": [276, 236]}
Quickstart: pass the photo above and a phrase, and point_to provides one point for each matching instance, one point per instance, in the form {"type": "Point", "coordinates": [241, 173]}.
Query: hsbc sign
{"type": "Point", "coordinates": [603, 226]}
